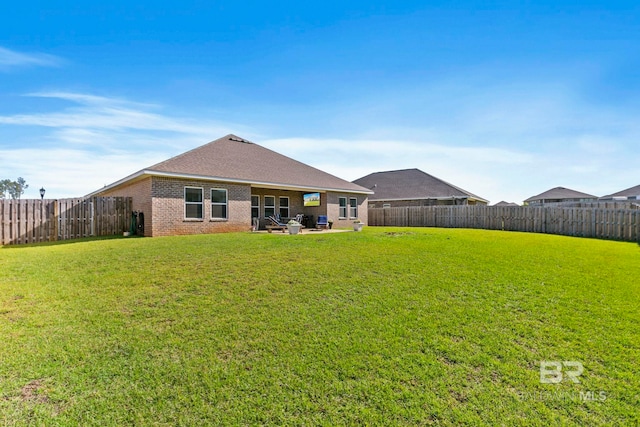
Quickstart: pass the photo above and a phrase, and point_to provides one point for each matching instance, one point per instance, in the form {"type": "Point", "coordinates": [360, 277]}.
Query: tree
{"type": "Point", "coordinates": [4, 188]}
{"type": "Point", "coordinates": [15, 189]}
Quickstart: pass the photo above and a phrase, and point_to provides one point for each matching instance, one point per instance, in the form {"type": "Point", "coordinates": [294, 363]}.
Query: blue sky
{"type": "Point", "coordinates": [504, 99]}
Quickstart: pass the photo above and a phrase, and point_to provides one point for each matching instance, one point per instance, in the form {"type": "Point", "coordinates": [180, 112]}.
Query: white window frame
{"type": "Point", "coordinates": [342, 209]}
{"type": "Point", "coordinates": [288, 207]}
{"type": "Point", "coordinates": [353, 209]}
{"type": "Point", "coordinates": [225, 204]}
{"type": "Point", "coordinates": [257, 207]}
{"type": "Point", "coordinates": [269, 207]}
{"type": "Point", "coordinates": [201, 203]}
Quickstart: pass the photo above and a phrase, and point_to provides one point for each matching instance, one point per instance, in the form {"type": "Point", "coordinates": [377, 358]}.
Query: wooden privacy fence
{"type": "Point", "coordinates": [32, 221]}
{"type": "Point", "coordinates": [615, 224]}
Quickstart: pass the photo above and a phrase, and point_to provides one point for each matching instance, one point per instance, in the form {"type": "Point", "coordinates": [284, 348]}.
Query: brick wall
{"type": "Point", "coordinates": [162, 202]}
{"type": "Point", "coordinates": [169, 208]}
{"type": "Point", "coordinates": [140, 193]}
{"type": "Point", "coordinates": [333, 208]}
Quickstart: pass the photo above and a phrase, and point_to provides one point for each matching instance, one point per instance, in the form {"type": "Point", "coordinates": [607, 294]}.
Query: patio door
{"type": "Point", "coordinates": [255, 206]}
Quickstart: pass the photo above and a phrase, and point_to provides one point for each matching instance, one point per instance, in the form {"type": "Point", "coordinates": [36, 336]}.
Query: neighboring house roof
{"type": "Point", "coordinates": [503, 203]}
{"type": "Point", "coordinates": [560, 193]}
{"type": "Point", "coordinates": [233, 159]}
{"type": "Point", "coordinates": [629, 192]}
{"type": "Point", "coordinates": [411, 184]}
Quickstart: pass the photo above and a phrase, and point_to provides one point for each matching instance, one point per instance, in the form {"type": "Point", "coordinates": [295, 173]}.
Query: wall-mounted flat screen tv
{"type": "Point", "coordinates": [311, 199]}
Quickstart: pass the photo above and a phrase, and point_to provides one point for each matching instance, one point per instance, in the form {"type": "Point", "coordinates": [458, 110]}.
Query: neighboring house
{"type": "Point", "coordinates": [632, 193]}
{"type": "Point", "coordinates": [225, 184]}
{"type": "Point", "coordinates": [412, 187]}
{"type": "Point", "coordinates": [559, 195]}
{"type": "Point", "coordinates": [506, 204]}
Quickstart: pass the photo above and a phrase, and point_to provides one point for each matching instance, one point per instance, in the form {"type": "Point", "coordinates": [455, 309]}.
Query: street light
{"type": "Point", "coordinates": [42, 190]}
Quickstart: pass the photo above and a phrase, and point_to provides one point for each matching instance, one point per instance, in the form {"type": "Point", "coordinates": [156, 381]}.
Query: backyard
{"type": "Point", "coordinates": [390, 326]}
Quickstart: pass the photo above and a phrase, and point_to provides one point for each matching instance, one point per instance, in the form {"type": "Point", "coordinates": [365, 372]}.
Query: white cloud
{"type": "Point", "coordinates": [10, 59]}
{"type": "Point", "coordinates": [69, 172]}
{"type": "Point", "coordinates": [97, 141]}
{"type": "Point", "coordinates": [397, 152]}
{"type": "Point", "coordinates": [471, 168]}
{"type": "Point", "coordinates": [499, 149]}
{"type": "Point", "coordinates": [83, 98]}
{"type": "Point", "coordinates": [111, 114]}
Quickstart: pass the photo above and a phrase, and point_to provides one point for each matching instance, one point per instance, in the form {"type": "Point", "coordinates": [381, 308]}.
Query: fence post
{"type": "Point", "coordinates": [93, 216]}
{"type": "Point", "coordinates": [56, 218]}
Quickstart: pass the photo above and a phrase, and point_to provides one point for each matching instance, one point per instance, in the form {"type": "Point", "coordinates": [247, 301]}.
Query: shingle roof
{"type": "Point", "coordinates": [629, 192]}
{"type": "Point", "coordinates": [561, 193]}
{"type": "Point", "coordinates": [408, 184]}
{"type": "Point", "coordinates": [506, 204]}
{"type": "Point", "coordinates": [235, 159]}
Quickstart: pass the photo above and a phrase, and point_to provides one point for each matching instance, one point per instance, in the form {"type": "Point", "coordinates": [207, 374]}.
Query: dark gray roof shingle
{"type": "Point", "coordinates": [235, 159]}
{"type": "Point", "coordinates": [629, 192]}
{"type": "Point", "coordinates": [559, 193]}
{"type": "Point", "coordinates": [408, 184]}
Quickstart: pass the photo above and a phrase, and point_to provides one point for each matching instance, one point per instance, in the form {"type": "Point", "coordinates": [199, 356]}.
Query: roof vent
{"type": "Point", "coordinates": [239, 140]}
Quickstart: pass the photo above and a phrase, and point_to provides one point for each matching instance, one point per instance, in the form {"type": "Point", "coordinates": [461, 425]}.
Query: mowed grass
{"type": "Point", "coordinates": [390, 326]}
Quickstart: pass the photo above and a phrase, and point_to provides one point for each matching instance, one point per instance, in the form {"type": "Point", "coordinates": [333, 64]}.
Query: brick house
{"type": "Point", "coordinates": [228, 183]}
{"type": "Point", "coordinates": [413, 187]}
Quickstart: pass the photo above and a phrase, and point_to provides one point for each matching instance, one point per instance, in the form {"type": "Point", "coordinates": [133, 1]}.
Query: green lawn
{"type": "Point", "coordinates": [391, 326]}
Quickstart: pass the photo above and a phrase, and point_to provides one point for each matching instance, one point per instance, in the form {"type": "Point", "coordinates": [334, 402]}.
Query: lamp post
{"type": "Point", "coordinates": [42, 217]}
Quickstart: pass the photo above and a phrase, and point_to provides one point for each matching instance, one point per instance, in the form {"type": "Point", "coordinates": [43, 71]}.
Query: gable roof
{"type": "Point", "coordinates": [559, 193]}
{"type": "Point", "coordinates": [506, 204]}
{"type": "Point", "coordinates": [234, 159]}
{"type": "Point", "coordinates": [409, 184]}
{"type": "Point", "coordinates": [629, 192]}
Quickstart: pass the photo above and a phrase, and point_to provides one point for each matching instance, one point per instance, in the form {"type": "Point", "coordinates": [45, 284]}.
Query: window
{"type": "Point", "coordinates": [353, 208]}
{"type": "Point", "coordinates": [255, 206]}
{"type": "Point", "coordinates": [284, 207]}
{"type": "Point", "coordinates": [386, 205]}
{"type": "Point", "coordinates": [218, 203]}
{"type": "Point", "coordinates": [193, 203]}
{"type": "Point", "coordinates": [342, 207]}
{"type": "Point", "coordinates": [269, 206]}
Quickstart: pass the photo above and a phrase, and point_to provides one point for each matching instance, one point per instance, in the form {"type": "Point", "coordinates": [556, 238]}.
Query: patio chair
{"type": "Point", "coordinates": [274, 224]}
{"type": "Point", "coordinates": [322, 222]}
